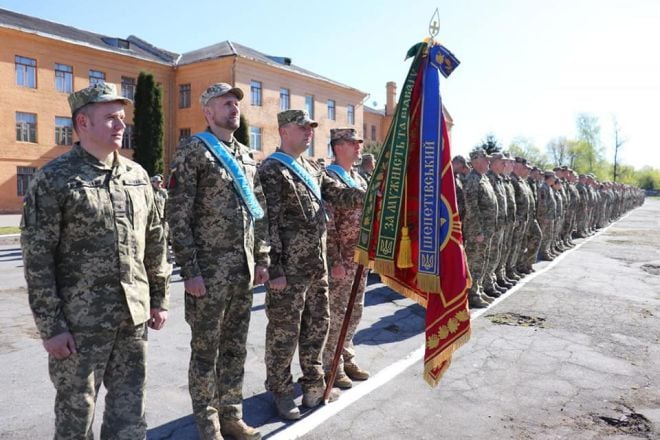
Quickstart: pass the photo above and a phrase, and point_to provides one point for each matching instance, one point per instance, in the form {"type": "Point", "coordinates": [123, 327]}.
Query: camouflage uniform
{"type": "Point", "coordinates": [505, 268]}
{"type": "Point", "coordinates": [534, 232]}
{"type": "Point", "coordinates": [214, 236]}
{"type": "Point", "coordinates": [95, 264]}
{"type": "Point", "coordinates": [480, 219]}
{"type": "Point", "coordinates": [524, 200]}
{"type": "Point", "coordinates": [343, 229]}
{"type": "Point", "coordinates": [546, 214]}
{"type": "Point", "coordinates": [496, 251]}
{"type": "Point", "coordinates": [298, 315]}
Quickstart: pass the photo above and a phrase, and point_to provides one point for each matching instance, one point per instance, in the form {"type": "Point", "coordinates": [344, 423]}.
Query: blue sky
{"type": "Point", "coordinates": [528, 67]}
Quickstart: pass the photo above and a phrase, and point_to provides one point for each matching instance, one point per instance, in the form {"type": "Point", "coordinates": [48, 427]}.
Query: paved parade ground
{"type": "Point", "coordinates": [572, 352]}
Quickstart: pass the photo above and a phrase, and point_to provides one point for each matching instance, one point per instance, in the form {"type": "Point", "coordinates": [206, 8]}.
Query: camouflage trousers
{"type": "Point", "coordinates": [477, 257]}
{"type": "Point", "coordinates": [581, 219]}
{"type": "Point", "coordinates": [507, 250]}
{"type": "Point", "coordinates": [116, 358]}
{"type": "Point", "coordinates": [219, 324]}
{"type": "Point", "coordinates": [298, 316]}
{"type": "Point", "coordinates": [494, 257]}
{"type": "Point", "coordinates": [531, 244]}
{"type": "Point", "coordinates": [340, 292]}
{"type": "Point", "coordinates": [547, 234]}
{"type": "Point", "coordinates": [518, 237]}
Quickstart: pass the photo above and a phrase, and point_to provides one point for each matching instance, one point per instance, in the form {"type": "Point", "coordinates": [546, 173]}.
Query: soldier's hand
{"type": "Point", "coordinates": [61, 346]}
{"type": "Point", "coordinates": [158, 318]}
{"type": "Point", "coordinates": [278, 283]}
{"type": "Point", "coordinates": [338, 272]}
{"type": "Point", "coordinates": [479, 238]}
{"type": "Point", "coordinates": [195, 286]}
{"type": "Point", "coordinates": [260, 275]}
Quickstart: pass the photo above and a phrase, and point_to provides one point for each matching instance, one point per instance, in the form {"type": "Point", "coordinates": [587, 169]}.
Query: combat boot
{"type": "Point", "coordinates": [490, 291]}
{"type": "Point", "coordinates": [476, 302]}
{"type": "Point", "coordinates": [314, 396]}
{"type": "Point", "coordinates": [238, 429]}
{"type": "Point", "coordinates": [342, 381]}
{"type": "Point", "coordinates": [545, 256]}
{"type": "Point", "coordinates": [354, 371]}
{"type": "Point", "coordinates": [286, 407]}
{"type": "Point", "coordinates": [504, 283]}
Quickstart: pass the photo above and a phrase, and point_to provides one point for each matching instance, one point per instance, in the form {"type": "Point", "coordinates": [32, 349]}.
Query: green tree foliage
{"type": "Point", "coordinates": [372, 148]}
{"type": "Point", "coordinates": [589, 144]}
{"type": "Point", "coordinates": [490, 144]}
{"type": "Point", "coordinates": [148, 124]}
{"type": "Point", "coordinates": [648, 178]}
{"type": "Point", "coordinates": [524, 147]}
{"type": "Point", "coordinates": [242, 134]}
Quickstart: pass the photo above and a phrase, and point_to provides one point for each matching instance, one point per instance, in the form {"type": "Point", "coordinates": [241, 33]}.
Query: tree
{"type": "Point", "coordinates": [148, 124]}
{"type": "Point", "coordinates": [524, 147]}
{"type": "Point", "coordinates": [242, 134]}
{"type": "Point", "coordinates": [588, 130]}
{"type": "Point", "coordinates": [490, 144]}
{"type": "Point", "coordinates": [558, 149]}
{"type": "Point", "coordinates": [618, 144]}
{"type": "Point", "coordinates": [373, 148]}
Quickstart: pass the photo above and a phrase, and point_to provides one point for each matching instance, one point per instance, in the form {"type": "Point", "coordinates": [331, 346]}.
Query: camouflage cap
{"type": "Point", "coordinates": [157, 178]}
{"type": "Point", "coordinates": [459, 158]}
{"type": "Point", "coordinates": [344, 134]}
{"type": "Point", "coordinates": [521, 160]}
{"type": "Point", "coordinates": [298, 117]}
{"type": "Point", "coordinates": [477, 153]}
{"type": "Point", "coordinates": [367, 156]}
{"type": "Point", "coordinates": [549, 173]}
{"type": "Point", "coordinates": [507, 155]}
{"type": "Point", "coordinates": [219, 89]}
{"type": "Point", "coordinates": [496, 156]}
{"type": "Point", "coordinates": [100, 92]}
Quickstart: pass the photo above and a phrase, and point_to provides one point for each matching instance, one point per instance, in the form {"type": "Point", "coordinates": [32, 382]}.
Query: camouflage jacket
{"type": "Point", "coordinates": [524, 199]}
{"type": "Point", "coordinates": [547, 204]}
{"type": "Point", "coordinates": [460, 196]}
{"type": "Point", "coordinates": [500, 194]}
{"type": "Point", "coordinates": [297, 221]}
{"type": "Point", "coordinates": [480, 206]}
{"type": "Point", "coordinates": [510, 193]}
{"type": "Point", "coordinates": [211, 229]}
{"type": "Point", "coordinates": [343, 225]}
{"type": "Point", "coordinates": [93, 245]}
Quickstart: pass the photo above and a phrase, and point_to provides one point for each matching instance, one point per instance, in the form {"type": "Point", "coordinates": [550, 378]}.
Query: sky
{"type": "Point", "coordinates": [528, 67]}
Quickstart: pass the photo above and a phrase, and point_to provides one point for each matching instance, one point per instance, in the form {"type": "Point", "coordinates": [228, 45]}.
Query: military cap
{"type": "Point", "coordinates": [507, 155]}
{"type": "Point", "coordinates": [496, 156]}
{"type": "Point", "coordinates": [521, 160]}
{"type": "Point", "coordinates": [219, 89]}
{"type": "Point", "coordinates": [99, 92]}
{"type": "Point", "coordinates": [298, 117]}
{"type": "Point", "coordinates": [535, 168]}
{"type": "Point", "coordinates": [459, 158]}
{"type": "Point", "coordinates": [157, 178]}
{"type": "Point", "coordinates": [581, 176]}
{"type": "Point", "coordinates": [344, 134]}
{"type": "Point", "coordinates": [549, 173]}
{"type": "Point", "coordinates": [477, 153]}
{"type": "Point", "coordinates": [564, 167]}
{"type": "Point", "coordinates": [367, 156]}
{"type": "Point", "coordinates": [556, 169]}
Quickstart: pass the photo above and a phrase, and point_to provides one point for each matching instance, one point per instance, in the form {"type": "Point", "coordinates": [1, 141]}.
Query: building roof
{"type": "Point", "coordinates": [131, 46]}
{"type": "Point", "coordinates": [374, 110]}
{"type": "Point", "coordinates": [229, 48]}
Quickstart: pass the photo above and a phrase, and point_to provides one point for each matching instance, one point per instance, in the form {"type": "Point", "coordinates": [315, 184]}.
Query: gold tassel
{"type": "Point", "coordinates": [404, 259]}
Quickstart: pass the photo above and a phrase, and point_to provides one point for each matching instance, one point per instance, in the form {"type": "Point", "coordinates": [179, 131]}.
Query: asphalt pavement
{"type": "Point", "coordinates": [572, 352]}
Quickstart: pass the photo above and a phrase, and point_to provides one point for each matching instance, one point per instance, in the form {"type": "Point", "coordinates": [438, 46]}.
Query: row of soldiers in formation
{"type": "Point", "coordinates": [514, 214]}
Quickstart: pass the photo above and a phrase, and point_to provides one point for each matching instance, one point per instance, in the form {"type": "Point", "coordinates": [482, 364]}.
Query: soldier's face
{"type": "Point", "coordinates": [224, 112]}
{"type": "Point", "coordinates": [348, 150]}
{"type": "Point", "coordinates": [103, 125]}
{"type": "Point", "coordinates": [297, 137]}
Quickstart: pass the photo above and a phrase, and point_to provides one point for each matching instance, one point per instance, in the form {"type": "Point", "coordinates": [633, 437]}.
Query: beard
{"type": "Point", "coordinates": [227, 123]}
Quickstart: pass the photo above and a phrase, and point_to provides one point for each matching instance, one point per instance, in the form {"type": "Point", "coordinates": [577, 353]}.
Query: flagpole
{"type": "Point", "coordinates": [342, 334]}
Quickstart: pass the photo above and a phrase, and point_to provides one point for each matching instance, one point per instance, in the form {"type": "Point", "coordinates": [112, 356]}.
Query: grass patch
{"type": "Point", "coordinates": [5, 230]}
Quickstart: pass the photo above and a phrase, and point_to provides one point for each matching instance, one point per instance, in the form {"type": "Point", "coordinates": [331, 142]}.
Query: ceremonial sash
{"type": "Point", "coordinates": [230, 164]}
{"type": "Point", "coordinates": [343, 175]}
{"type": "Point", "coordinates": [299, 171]}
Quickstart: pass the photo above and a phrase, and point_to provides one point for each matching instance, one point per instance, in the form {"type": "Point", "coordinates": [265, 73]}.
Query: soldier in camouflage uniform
{"type": "Point", "coordinates": [583, 207]}
{"type": "Point", "coordinates": [461, 170]}
{"type": "Point", "coordinates": [160, 197]}
{"type": "Point", "coordinates": [479, 225]}
{"type": "Point", "coordinates": [222, 248]}
{"type": "Point", "coordinates": [297, 295]}
{"type": "Point", "coordinates": [506, 269]}
{"type": "Point", "coordinates": [494, 175]}
{"type": "Point", "coordinates": [96, 270]}
{"type": "Point", "coordinates": [524, 211]}
{"type": "Point", "coordinates": [343, 229]}
{"type": "Point", "coordinates": [367, 165]}
{"type": "Point", "coordinates": [546, 215]}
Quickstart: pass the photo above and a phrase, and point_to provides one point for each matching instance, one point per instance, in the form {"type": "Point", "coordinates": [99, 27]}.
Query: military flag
{"type": "Point", "coordinates": [410, 230]}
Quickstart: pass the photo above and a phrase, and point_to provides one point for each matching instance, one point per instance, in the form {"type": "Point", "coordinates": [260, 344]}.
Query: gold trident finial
{"type": "Point", "coordinates": [434, 24]}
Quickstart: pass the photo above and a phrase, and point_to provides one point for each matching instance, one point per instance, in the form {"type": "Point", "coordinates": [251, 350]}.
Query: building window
{"type": "Point", "coordinates": [184, 95]}
{"type": "Point", "coordinates": [285, 99]}
{"type": "Point", "coordinates": [331, 109]}
{"type": "Point", "coordinates": [26, 127]}
{"type": "Point", "coordinates": [350, 111]}
{"type": "Point", "coordinates": [96, 77]}
{"type": "Point", "coordinates": [63, 78]}
{"type": "Point", "coordinates": [309, 105]}
{"type": "Point", "coordinates": [23, 177]}
{"type": "Point", "coordinates": [128, 87]}
{"type": "Point", "coordinates": [373, 132]}
{"type": "Point", "coordinates": [184, 133]}
{"type": "Point", "coordinates": [63, 131]}
{"type": "Point", "coordinates": [255, 138]}
{"type": "Point", "coordinates": [255, 93]}
{"type": "Point", "coordinates": [26, 72]}
{"type": "Point", "coordinates": [128, 141]}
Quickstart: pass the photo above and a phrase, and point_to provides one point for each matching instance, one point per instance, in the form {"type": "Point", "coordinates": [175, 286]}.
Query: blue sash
{"type": "Point", "coordinates": [299, 171]}
{"type": "Point", "coordinates": [343, 175]}
{"type": "Point", "coordinates": [230, 164]}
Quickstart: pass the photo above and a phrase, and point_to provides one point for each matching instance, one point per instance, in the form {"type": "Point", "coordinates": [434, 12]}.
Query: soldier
{"type": "Point", "coordinates": [460, 169]}
{"type": "Point", "coordinates": [220, 240]}
{"type": "Point", "coordinates": [297, 295]}
{"type": "Point", "coordinates": [96, 270]}
{"type": "Point", "coordinates": [160, 197]}
{"type": "Point", "coordinates": [367, 165]}
{"type": "Point", "coordinates": [582, 214]}
{"type": "Point", "coordinates": [546, 214]}
{"type": "Point", "coordinates": [494, 174]}
{"type": "Point", "coordinates": [343, 229]}
{"type": "Point", "coordinates": [479, 225]}
{"type": "Point", "coordinates": [524, 216]}
{"type": "Point", "coordinates": [506, 269]}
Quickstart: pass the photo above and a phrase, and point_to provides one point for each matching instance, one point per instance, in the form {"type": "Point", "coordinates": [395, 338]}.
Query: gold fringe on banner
{"type": "Point", "coordinates": [405, 291]}
{"type": "Point", "coordinates": [404, 259]}
{"type": "Point", "coordinates": [384, 267]}
{"type": "Point", "coordinates": [362, 257]}
{"type": "Point", "coordinates": [444, 357]}
{"type": "Point", "coordinates": [428, 283]}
